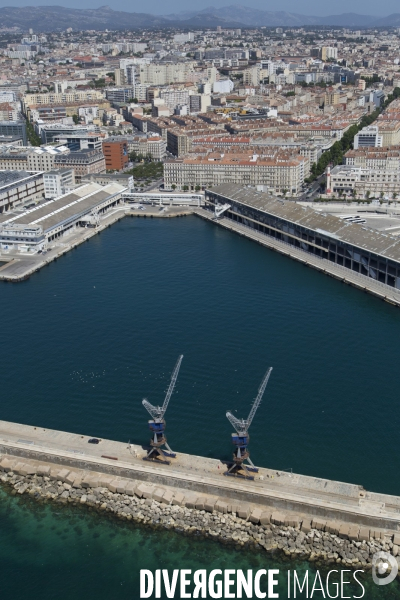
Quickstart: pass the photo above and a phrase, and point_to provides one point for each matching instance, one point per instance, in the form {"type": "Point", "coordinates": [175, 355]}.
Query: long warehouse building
{"type": "Point", "coordinates": [352, 245]}
{"type": "Point", "coordinates": [31, 231]}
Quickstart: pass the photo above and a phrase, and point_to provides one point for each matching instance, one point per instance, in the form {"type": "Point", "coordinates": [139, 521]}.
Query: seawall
{"type": "Point", "coordinates": [290, 494]}
{"type": "Point", "coordinates": [361, 282]}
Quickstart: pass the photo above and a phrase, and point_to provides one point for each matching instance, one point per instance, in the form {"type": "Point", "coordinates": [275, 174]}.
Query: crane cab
{"type": "Point", "coordinates": [241, 441]}
{"type": "Point", "coordinates": [157, 426]}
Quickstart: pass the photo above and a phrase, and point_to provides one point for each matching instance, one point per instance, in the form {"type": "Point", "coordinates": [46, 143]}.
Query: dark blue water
{"type": "Point", "coordinates": [88, 337]}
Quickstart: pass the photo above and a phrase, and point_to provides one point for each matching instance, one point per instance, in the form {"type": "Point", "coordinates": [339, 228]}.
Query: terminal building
{"type": "Point", "coordinates": [19, 187]}
{"type": "Point", "coordinates": [32, 230]}
{"type": "Point", "coordinates": [351, 245]}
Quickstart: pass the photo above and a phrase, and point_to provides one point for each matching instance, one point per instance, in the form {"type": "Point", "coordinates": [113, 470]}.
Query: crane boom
{"type": "Point", "coordinates": [158, 412]}
{"type": "Point", "coordinates": [260, 394]}
{"type": "Point", "coordinates": [242, 425]}
{"type": "Point", "coordinates": [172, 384]}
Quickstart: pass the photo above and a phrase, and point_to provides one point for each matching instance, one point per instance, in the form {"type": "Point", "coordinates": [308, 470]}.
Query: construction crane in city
{"type": "Point", "coordinates": [241, 438]}
{"type": "Point", "coordinates": [157, 424]}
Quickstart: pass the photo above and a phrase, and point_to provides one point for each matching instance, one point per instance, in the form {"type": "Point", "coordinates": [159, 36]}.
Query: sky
{"type": "Point", "coordinates": [306, 7]}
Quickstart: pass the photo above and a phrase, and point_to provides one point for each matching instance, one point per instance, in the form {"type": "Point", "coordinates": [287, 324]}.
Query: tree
{"type": "Point", "coordinates": [197, 188]}
{"type": "Point", "coordinates": [75, 119]}
{"type": "Point", "coordinates": [185, 188]}
{"type": "Point", "coordinates": [173, 186]}
{"type": "Point", "coordinates": [367, 195]}
{"type": "Point", "coordinates": [33, 137]}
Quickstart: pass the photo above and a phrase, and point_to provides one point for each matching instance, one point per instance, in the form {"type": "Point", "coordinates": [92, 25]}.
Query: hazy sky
{"type": "Point", "coordinates": [306, 7]}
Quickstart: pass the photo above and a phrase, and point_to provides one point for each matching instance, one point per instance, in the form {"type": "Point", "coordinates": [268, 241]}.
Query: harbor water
{"type": "Point", "coordinates": [91, 335]}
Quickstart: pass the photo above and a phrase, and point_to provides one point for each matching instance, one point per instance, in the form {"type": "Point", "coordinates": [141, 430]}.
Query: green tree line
{"type": "Point", "coordinates": [32, 135]}
{"type": "Point", "coordinates": [334, 156]}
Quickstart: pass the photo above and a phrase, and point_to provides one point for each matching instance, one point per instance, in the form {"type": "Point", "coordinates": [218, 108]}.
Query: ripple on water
{"type": "Point", "coordinates": [89, 336]}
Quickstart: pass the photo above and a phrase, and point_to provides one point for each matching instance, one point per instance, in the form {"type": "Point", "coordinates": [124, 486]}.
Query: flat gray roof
{"type": "Point", "coordinates": [53, 213]}
{"type": "Point", "coordinates": [14, 177]}
{"type": "Point", "coordinates": [330, 225]}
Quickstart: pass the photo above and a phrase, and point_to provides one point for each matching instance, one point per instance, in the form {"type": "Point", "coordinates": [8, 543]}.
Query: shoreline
{"type": "Point", "coordinates": [13, 270]}
{"type": "Point", "coordinates": [235, 524]}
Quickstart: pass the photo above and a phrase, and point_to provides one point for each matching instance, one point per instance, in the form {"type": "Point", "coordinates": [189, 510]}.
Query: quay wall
{"type": "Point", "coordinates": [275, 490]}
{"type": "Point", "coordinates": [361, 282]}
{"type": "Point", "coordinates": [15, 270]}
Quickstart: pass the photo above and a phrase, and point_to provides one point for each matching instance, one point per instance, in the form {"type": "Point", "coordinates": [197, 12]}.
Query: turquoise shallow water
{"type": "Point", "coordinates": [87, 338]}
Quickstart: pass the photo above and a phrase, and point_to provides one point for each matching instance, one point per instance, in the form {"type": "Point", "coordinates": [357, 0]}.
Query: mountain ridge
{"type": "Point", "coordinates": [58, 18]}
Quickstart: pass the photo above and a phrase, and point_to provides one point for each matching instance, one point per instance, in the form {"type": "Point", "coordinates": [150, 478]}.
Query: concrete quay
{"type": "Point", "coordinates": [361, 282]}
{"type": "Point", "coordinates": [290, 496]}
{"type": "Point", "coordinates": [19, 267]}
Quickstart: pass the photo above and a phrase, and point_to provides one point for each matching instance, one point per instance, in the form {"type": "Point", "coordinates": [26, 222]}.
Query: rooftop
{"type": "Point", "coordinates": [8, 178]}
{"type": "Point", "coordinates": [50, 214]}
{"type": "Point", "coordinates": [351, 233]}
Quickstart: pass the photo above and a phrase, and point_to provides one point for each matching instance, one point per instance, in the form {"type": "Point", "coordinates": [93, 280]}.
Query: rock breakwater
{"type": "Point", "coordinates": [316, 540]}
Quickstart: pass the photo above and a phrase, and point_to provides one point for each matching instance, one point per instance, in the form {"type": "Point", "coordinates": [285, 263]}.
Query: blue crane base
{"type": "Point", "coordinates": [240, 455]}
{"type": "Point", "coordinates": [157, 452]}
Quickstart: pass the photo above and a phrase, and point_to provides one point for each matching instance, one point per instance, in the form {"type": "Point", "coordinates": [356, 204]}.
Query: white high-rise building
{"type": "Point", "coordinates": [368, 136]}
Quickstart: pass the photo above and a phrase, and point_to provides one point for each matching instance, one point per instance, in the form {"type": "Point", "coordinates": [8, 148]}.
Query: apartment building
{"type": "Point", "coordinates": [58, 182]}
{"type": "Point", "coordinates": [84, 162]}
{"type": "Point", "coordinates": [178, 142]}
{"type": "Point", "coordinates": [116, 154]}
{"type": "Point", "coordinates": [165, 74]}
{"type": "Point", "coordinates": [327, 52]}
{"type": "Point", "coordinates": [346, 179]}
{"type": "Point", "coordinates": [174, 97]}
{"type": "Point", "coordinates": [198, 103]}
{"type": "Point", "coordinates": [389, 130]}
{"type": "Point", "coordinates": [43, 158]}
{"type": "Point", "coordinates": [8, 112]}
{"type": "Point", "coordinates": [67, 97]}
{"type": "Point", "coordinates": [13, 158]}
{"type": "Point", "coordinates": [276, 172]}
{"type": "Point", "coordinates": [29, 158]}
{"type": "Point", "coordinates": [386, 159]}
{"type": "Point", "coordinates": [153, 146]}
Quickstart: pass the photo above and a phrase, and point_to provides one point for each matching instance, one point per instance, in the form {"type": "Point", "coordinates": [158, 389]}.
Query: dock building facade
{"type": "Point", "coordinates": [351, 245]}
{"type": "Point", "coordinates": [32, 231]}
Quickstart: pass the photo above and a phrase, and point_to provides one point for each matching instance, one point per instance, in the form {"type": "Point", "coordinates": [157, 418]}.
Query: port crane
{"type": "Point", "coordinates": [157, 424]}
{"type": "Point", "coordinates": [241, 438]}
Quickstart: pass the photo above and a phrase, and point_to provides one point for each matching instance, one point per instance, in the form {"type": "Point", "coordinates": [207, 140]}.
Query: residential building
{"type": "Point", "coordinates": [278, 172]}
{"type": "Point", "coordinates": [84, 162]}
{"type": "Point", "coordinates": [58, 182]}
{"type": "Point", "coordinates": [116, 154]}
{"type": "Point", "coordinates": [154, 146]}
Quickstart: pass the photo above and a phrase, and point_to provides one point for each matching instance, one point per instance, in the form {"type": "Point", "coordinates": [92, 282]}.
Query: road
{"type": "Point", "coordinates": [314, 190]}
